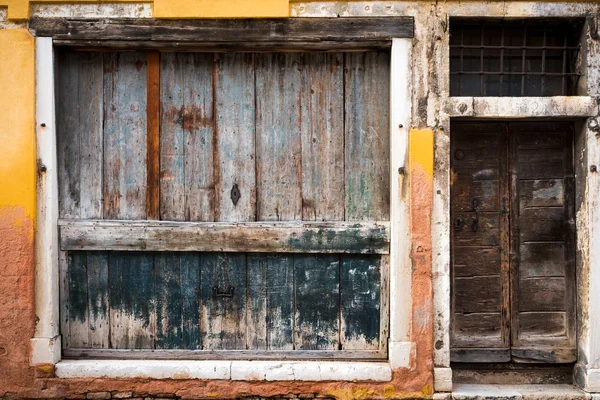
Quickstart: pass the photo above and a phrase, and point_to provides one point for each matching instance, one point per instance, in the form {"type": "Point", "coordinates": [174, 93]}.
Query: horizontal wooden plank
{"type": "Point", "coordinates": [362, 355]}
{"type": "Point", "coordinates": [487, 355]}
{"type": "Point", "coordinates": [291, 30]}
{"type": "Point", "coordinates": [551, 355]}
{"type": "Point", "coordinates": [218, 47]}
{"type": "Point", "coordinates": [286, 237]}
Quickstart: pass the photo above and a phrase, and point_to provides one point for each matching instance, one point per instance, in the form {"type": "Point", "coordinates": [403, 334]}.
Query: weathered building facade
{"type": "Point", "coordinates": [228, 199]}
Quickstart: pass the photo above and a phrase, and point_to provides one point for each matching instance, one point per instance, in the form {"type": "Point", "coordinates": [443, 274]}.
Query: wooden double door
{"type": "Point", "coordinates": [513, 242]}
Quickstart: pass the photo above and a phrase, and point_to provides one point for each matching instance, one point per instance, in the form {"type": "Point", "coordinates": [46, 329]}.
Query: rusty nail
{"type": "Point", "coordinates": [593, 168]}
{"type": "Point", "coordinates": [43, 168]}
{"type": "Point", "coordinates": [401, 170]}
{"type": "Point", "coordinates": [400, 126]}
{"type": "Point", "coordinates": [43, 124]}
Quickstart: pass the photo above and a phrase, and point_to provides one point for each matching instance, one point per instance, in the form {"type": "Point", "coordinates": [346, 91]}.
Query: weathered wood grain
{"type": "Point", "coordinates": [131, 292]}
{"type": "Point", "coordinates": [187, 191]}
{"type": "Point", "coordinates": [360, 291]}
{"type": "Point", "coordinates": [79, 121]}
{"type": "Point", "coordinates": [323, 189]}
{"type": "Point", "coordinates": [289, 237]}
{"type": "Point", "coordinates": [190, 297]}
{"type": "Point", "coordinates": [125, 135]}
{"type": "Point", "coordinates": [293, 30]}
{"type": "Point", "coordinates": [366, 136]}
{"type": "Point", "coordinates": [98, 301]}
{"type": "Point", "coordinates": [257, 306]}
{"type": "Point", "coordinates": [234, 157]}
{"type": "Point", "coordinates": [78, 305]}
{"type": "Point", "coordinates": [223, 323]}
{"type": "Point", "coordinates": [280, 302]}
{"type": "Point", "coordinates": [168, 294]}
{"type": "Point", "coordinates": [153, 136]}
{"type": "Point", "coordinates": [317, 301]}
{"type": "Point", "coordinates": [280, 121]}
{"type": "Point", "coordinates": [120, 354]}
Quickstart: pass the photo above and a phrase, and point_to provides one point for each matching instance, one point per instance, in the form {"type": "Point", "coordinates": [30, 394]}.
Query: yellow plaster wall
{"type": "Point", "coordinates": [17, 116]}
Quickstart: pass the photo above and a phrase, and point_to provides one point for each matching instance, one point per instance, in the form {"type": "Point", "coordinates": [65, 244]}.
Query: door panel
{"type": "Point", "coordinates": [512, 242]}
{"type": "Point", "coordinates": [542, 229]}
{"type": "Point", "coordinates": [478, 193]}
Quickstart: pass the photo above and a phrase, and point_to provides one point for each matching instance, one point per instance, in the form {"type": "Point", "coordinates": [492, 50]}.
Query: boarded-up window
{"type": "Point", "coordinates": [268, 174]}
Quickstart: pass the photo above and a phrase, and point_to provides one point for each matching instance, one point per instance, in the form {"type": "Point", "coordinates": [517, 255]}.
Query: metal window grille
{"type": "Point", "coordinates": [514, 57]}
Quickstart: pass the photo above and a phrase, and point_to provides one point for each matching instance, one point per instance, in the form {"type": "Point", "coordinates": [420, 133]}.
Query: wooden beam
{"type": "Point", "coordinates": [127, 354]}
{"type": "Point", "coordinates": [291, 31]}
{"type": "Point", "coordinates": [153, 142]}
{"type": "Point", "coordinates": [258, 237]}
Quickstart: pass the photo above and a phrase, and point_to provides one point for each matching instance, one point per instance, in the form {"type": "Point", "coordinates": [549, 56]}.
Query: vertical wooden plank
{"type": "Point", "coordinates": [79, 134]}
{"type": "Point", "coordinates": [367, 139]}
{"type": "Point", "coordinates": [223, 301]}
{"type": "Point", "coordinates": [317, 302]}
{"type": "Point", "coordinates": [360, 291]}
{"type": "Point", "coordinates": [190, 301]}
{"type": "Point", "coordinates": [125, 134]}
{"type": "Point", "coordinates": [98, 307]}
{"type": "Point", "coordinates": [153, 133]}
{"type": "Point", "coordinates": [199, 125]}
{"type": "Point", "coordinates": [256, 307]}
{"type": "Point", "coordinates": [63, 263]}
{"type": "Point", "coordinates": [323, 142]}
{"type": "Point", "coordinates": [172, 148]}
{"type": "Point", "coordinates": [78, 300]}
{"type": "Point", "coordinates": [235, 138]}
{"type": "Point", "coordinates": [131, 297]}
{"type": "Point", "coordinates": [279, 126]}
{"type": "Point", "coordinates": [167, 270]}
{"type": "Point", "coordinates": [280, 301]}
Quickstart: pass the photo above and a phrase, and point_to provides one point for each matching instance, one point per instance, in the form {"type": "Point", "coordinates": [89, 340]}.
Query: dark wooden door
{"type": "Point", "coordinates": [513, 277]}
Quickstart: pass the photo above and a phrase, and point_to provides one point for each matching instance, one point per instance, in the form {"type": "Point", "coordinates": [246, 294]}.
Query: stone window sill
{"type": "Point", "coordinates": [227, 370]}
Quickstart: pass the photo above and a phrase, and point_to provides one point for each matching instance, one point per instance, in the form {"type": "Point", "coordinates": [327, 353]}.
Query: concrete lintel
{"type": "Point", "coordinates": [521, 107]}
{"type": "Point", "coordinates": [45, 350]}
{"type": "Point", "coordinates": [226, 370]}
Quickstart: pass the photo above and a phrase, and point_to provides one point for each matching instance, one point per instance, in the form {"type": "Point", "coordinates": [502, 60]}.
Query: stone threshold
{"type": "Point", "coordinates": [514, 392]}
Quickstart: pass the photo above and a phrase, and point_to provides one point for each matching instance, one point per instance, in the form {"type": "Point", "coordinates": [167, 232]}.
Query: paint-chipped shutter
{"type": "Point", "coordinates": [243, 138]}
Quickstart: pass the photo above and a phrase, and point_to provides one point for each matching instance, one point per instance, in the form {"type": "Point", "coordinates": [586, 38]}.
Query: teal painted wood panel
{"type": "Point", "coordinates": [190, 300]}
{"type": "Point", "coordinates": [317, 302]}
{"type": "Point", "coordinates": [125, 134]}
{"type": "Point", "coordinates": [280, 301]}
{"type": "Point", "coordinates": [78, 297]}
{"type": "Point", "coordinates": [360, 284]}
{"type": "Point", "coordinates": [169, 324]}
{"type": "Point", "coordinates": [132, 300]}
{"type": "Point", "coordinates": [98, 301]}
{"type": "Point", "coordinates": [167, 300]}
{"type": "Point", "coordinates": [223, 301]}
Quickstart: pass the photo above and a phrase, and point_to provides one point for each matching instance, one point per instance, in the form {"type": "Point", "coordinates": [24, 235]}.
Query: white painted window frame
{"type": "Point", "coordinates": [46, 345]}
{"type": "Point", "coordinates": [587, 369]}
